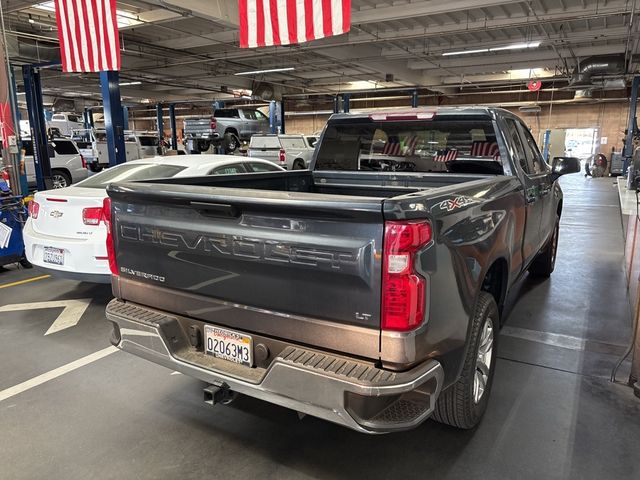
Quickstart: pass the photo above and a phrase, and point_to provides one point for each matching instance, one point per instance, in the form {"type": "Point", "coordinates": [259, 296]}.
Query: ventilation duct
{"type": "Point", "coordinates": [597, 66]}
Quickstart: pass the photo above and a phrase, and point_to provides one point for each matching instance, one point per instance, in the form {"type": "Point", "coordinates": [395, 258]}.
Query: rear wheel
{"type": "Point", "coordinates": [95, 167]}
{"type": "Point", "coordinates": [463, 404]}
{"type": "Point", "coordinates": [298, 164]}
{"type": "Point", "coordinates": [25, 263]}
{"type": "Point", "coordinates": [231, 142]}
{"type": "Point", "coordinates": [545, 262]}
{"type": "Point", "coordinates": [60, 179]}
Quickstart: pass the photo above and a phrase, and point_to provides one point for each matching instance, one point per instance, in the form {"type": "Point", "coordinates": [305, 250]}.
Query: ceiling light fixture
{"type": "Point", "coordinates": [513, 46]}
{"type": "Point", "coordinates": [126, 84]}
{"type": "Point", "coordinates": [268, 70]}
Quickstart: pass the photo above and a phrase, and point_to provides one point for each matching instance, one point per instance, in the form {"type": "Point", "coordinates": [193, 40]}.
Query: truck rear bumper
{"type": "Point", "coordinates": [347, 391]}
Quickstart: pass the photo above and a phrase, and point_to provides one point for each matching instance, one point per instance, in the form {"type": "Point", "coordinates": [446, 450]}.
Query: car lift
{"type": "Point", "coordinates": [113, 118]}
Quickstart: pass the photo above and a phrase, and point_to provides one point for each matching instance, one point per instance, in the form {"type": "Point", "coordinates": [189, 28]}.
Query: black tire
{"type": "Point", "coordinates": [298, 164]}
{"type": "Point", "coordinates": [95, 167]}
{"type": "Point", "coordinates": [60, 179]}
{"type": "Point", "coordinates": [545, 262]}
{"type": "Point", "coordinates": [459, 406]}
{"type": "Point", "coordinates": [231, 142]}
{"type": "Point", "coordinates": [25, 263]}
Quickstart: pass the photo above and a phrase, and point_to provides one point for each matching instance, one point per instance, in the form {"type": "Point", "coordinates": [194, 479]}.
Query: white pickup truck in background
{"type": "Point", "coordinates": [290, 151]}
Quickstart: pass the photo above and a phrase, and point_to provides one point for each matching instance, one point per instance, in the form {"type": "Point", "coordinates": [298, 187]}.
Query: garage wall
{"type": "Point", "coordinates": [609, 118]}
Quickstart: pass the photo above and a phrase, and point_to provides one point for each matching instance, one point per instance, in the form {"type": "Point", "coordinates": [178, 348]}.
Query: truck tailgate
{"type": "Point", "coordinates": [286, 255]}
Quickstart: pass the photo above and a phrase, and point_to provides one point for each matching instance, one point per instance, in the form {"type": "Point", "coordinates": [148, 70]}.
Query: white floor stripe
{"type": "Point", "coordinates": [554, 339]}
{"type": "Point", "coordinates": [55, 373]}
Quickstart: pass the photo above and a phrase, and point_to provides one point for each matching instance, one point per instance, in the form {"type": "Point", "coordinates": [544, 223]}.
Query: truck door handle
{"type": "Point", "coordinates": [216, 209]}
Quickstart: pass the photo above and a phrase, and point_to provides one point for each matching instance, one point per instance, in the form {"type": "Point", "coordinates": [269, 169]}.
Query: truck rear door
{"type": "Point", "coordinates": [275, 263]}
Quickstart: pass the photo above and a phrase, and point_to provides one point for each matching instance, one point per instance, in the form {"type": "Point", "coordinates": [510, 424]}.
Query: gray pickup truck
{"type": "Point", "coordinates": [367, 291]}
{"type": "Point", "coordinates": [227, 128]}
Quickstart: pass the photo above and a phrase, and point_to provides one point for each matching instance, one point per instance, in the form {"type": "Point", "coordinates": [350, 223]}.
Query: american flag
{"type": "Point", "coordinates": [264, 23]}
{"type": "Point", "coordinates": [88, 35]}
{"type": "Point", "coordinates": [484, 149]}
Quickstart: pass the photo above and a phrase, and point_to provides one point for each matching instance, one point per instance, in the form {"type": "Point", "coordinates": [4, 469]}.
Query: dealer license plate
{"type": "Point", "coordinates": [228, 345]}
{"type": "Point", "coordinates": [53, 255]}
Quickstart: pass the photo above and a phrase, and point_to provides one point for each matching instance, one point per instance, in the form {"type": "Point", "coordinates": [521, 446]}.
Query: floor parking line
{"type": "Point", "coordinates": [55, 373]}
{"type": "Point", "coordinates": [26, 280]}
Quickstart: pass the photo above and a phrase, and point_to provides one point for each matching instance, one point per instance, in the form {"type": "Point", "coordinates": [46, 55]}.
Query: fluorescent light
{"type": "Point", "coordinates": [268, 70]}
{"type": "Point", "coordinates": [125, 84]}
{"type": "Point", "coordinates": [513, 46]}
{"type": "Point", "coordinates": [516, 46]}
{"type": "Point", "coordinates": [465, 52]}
{"type": "Point", "coordinates": [21, 93]}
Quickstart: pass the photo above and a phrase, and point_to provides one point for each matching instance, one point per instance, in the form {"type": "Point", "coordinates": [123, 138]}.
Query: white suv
{"type": "Point", "coordinates": [67, 165]}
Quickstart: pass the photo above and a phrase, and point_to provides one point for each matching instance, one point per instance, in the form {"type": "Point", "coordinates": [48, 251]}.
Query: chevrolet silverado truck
{"type": "Point", "coordinates": [227, 128]}
{"type": "Point", "coordinates": [366, 291]}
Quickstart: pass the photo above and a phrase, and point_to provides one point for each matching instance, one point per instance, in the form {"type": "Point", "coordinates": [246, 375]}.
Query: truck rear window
{"type": "Point", "coordinates": [446, 144]}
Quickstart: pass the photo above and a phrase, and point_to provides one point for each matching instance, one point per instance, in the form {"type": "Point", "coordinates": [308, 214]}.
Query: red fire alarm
{"type": "Point", "coordinates": [534, 85]}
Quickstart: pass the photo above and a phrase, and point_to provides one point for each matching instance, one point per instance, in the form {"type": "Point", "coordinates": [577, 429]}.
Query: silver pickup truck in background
{"type": "Point", "coordinates": [227, 128]}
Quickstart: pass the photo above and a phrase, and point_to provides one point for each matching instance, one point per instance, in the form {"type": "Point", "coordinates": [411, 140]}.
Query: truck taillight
{"type": "Point", "coordinates": [282, 156]}
{"type": "Point", "coordinates": [213, 124]}
{"type": "Point", "coordinates": [34, 209]}
{"type": "Point", "coordinates": [92, 215]}
{"type": "Point", "coordinates": [84, 162]}
{"type": "Point", "coordinates": [111, 252]}
{"type": "Point", "coordinates": [403, 289]}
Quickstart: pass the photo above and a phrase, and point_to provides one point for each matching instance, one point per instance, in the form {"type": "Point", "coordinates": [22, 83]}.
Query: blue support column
{"type": "Point", "coordinates": [545, 145]}
{"type": "Point", "coordinates": [218, 104]}
{"type": "Point", "coordinates": [87, 117]}
{"type": "Point", "coordinates": [24, 186]}
{"type": "Point", "coordinates": [273, 119]}
{"type": "Point", "coordinates": [125, 117]}
{"type": "Point", "coordinates": [346, 98]}
{"type": "Point", "coordinates": [33, 93]}
{"type": "Point", "coordinates": [159, 121]}
{"type": "Point", "coordinates": [172, 123]}
{"type": "Point", "coordinates": [336, 104]}
{"type": "Point", "coordinates": [632, 124]}
{"type": "Point", "coordinates": [113, 121]}
{"type": "Point", "coordinates": [282, 125]}
{"type": "Point", "coordinates": [414, 99]}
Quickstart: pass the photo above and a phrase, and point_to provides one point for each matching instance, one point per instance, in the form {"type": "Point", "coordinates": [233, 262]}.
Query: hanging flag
{"type": "Point", "coordinates": [88, 35]}
{"type": "Point", "coordinates": [264, 23]}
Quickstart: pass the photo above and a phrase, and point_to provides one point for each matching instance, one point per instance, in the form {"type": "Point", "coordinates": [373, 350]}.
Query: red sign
{"type": "Point", "coordinates": [534, 85]}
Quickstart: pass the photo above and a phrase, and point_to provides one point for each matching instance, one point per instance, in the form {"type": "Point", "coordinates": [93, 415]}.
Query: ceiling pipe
{"type": "Point", "coordinates": [596, 66]}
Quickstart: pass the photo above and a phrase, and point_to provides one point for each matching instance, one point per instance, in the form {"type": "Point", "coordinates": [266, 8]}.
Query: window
{"type": "Point", "coordinates": [27, 145]}
{"type": "Point", "coordinates": [448, 143]}
{"type": "Point", "coordinates": [263, 167]}
{"type": "Point", "coordinates": [228, 170]}
{"type": "Point", "coordinates": [64, 147]}
{"type": "Point", "coordinates": [149, 141]}
{"type": "Point", "coordinates": [73, 118]}
{"type": "Point", "coordinates": [57, 117]}
{"type": "Point", "coordinates": [261, 116]}
{"type": "Point", "coordinates": [250, 114]}
{"type": "Point", "coordinates": [514, 138]}
{"type": "Point", "coordinates": [226, 113]}
{"type": "Point", "coordinates": [312, 141]}
{"type": "Point", "coordinates": [129, 172]}
{"type": "Point", "coordinates": [534, 159]}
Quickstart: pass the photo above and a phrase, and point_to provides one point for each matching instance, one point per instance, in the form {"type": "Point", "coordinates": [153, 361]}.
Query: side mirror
{"type": "Point", "coordinates": [564, 165]}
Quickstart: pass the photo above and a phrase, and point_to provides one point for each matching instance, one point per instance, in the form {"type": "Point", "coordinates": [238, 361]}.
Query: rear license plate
{"type": "Point", "coordinates": [228, 345]}
{"type": "Point", "coordinates": [53, 255]}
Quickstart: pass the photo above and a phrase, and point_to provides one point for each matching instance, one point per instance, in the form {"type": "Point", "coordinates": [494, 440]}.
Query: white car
{"type": "Point", "coordinates": [65, 233]}
{"type": "Point", "coordinates": [291, 151]}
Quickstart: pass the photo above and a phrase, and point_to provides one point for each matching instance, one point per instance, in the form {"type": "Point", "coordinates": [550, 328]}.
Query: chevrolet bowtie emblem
{"type": "Point", "coordinates": [56, 214]}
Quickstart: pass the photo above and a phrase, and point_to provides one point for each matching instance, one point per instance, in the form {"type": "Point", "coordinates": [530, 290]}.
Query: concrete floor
{"type": "Point", "coordinates": [553, 412]}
